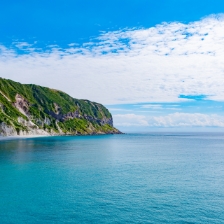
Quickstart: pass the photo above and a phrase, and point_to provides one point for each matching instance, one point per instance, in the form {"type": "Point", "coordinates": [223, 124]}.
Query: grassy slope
{"type": "Point", "coordinates": [42, 100]}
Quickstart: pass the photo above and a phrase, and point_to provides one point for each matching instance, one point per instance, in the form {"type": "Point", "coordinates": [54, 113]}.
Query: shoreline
{"type": "Point", "coordinates": [39, 136]}
{"type": "Point", "coordinates": [22, 137]}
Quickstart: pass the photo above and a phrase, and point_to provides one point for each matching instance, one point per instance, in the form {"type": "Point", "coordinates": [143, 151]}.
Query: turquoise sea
{"type": "Point", "coordinates": [131, 178]}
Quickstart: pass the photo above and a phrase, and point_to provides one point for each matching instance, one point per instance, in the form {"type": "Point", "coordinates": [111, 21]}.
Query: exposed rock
{"type": "Point", "coordinates": [22, 105]}
{"type": "Point", "coordinates": [7, 130]}
{"type": "Point", "coordinates": [57, 108]}
{"type": "Point", "coordinates": [36, 110]}
{"type": "Point", "coordinates": [62, 117]}
{"type": "Point", "coordinates": [27, 123]}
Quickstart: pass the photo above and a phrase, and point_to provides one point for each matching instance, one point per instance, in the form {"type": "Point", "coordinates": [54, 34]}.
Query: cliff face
{"type": "Point", "coordinates": [35, 110]}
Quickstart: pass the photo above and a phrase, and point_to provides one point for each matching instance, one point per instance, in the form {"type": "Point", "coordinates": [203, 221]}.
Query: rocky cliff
{"type": "Point", "coordinates": [27, 109]}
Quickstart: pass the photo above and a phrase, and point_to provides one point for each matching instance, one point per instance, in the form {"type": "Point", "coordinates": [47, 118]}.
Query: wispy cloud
{"type": "Point", "coordinates": [187, 120]}
{"type": "Point", "coordinates": [130, 120]}
{"type": "Point", "coordinates": [152, 106]}
{"type": "Point", "coordinates": [170, 120]}
{"type": "Point", "coordinates": [157, 64]}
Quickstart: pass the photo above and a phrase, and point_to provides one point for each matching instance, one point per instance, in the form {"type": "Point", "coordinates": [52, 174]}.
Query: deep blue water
{"type": "Point", "coordinates": [132, 178]}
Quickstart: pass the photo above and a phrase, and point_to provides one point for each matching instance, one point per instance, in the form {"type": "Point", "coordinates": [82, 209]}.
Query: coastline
{"type": "Point", "coordinates": [22, 137]}
{"type": "Point", "coordinates": [39, 136]}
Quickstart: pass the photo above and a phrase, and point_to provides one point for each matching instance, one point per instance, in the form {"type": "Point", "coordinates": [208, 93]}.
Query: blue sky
{"type": "Point", "coordinates": [154, 64]}
{"type": "Point", "coordinates": [67, 21]}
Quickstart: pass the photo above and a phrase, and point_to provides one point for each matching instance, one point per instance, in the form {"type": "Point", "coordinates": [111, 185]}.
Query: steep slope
{"type": "Point", "coordinates": [27, 109]}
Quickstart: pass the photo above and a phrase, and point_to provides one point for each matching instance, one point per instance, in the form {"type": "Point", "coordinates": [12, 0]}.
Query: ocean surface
{"type": "Point", "coordinates": [131, 178]}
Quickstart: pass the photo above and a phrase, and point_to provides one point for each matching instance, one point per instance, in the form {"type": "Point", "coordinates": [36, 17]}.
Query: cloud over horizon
{"type": "Point", "coordinates": [156, 64]}
{"type": "Point", "coordinates": [171, 120]}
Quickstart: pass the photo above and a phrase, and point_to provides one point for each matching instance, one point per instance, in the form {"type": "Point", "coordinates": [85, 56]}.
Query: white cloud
{"type": "Point", "coordinates": [170, 120]}
{"type": "Point", "coordinates": [22, 45]}
{"type": "Point", "coordinates": [130, 120]}
{"type": "Point", "coordinates": [187, 120]}
{"type": "Point", "coordinates": [128, 66]}
{"type": "Point", "coordinates": [153, 106]}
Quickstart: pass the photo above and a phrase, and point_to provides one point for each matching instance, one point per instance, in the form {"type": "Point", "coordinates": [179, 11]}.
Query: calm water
{"type": "Point", "coordinates": [133, 178]}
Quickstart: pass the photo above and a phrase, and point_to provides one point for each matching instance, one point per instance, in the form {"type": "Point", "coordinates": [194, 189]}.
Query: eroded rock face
{"type": "Point", "coordinates": [26, 123]}
{"type": "Point", "coordinates": [57, 108]}
{"type": "Point", "coordinates": [32, 129]}
{"type": "Point", "coordinates": [22, 105]}
{"type": "Point", "coordinates": [107, 121]}
{"type": "Point", "coordinates": [62, 117]}
{"type": "Point", "coordinates": [7, 130]}
{"type": "Point", "coordinates": [76, 114]}
{"type": "Point", "coordinates": [35, 126]}
{"type": "Point", "coordinates": [102, 121]}
{"type": "Point", "coordinates": [36, 110]}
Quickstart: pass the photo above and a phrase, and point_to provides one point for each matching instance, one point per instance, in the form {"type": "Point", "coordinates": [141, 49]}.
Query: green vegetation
{"type": "Point", "coordinates": [51, 110]}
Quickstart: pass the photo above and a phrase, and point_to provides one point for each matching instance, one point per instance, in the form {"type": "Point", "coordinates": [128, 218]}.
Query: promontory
{"type": "Point", "coordinates": [27, 109]}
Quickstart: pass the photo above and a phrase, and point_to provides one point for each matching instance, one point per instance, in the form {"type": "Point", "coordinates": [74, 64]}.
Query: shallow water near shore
{"type": "Point", "coordinates": [131, 178]}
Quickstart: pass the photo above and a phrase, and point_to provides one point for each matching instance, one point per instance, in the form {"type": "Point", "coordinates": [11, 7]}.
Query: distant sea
{"type": "Point", "coordinates": [131, 178]}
